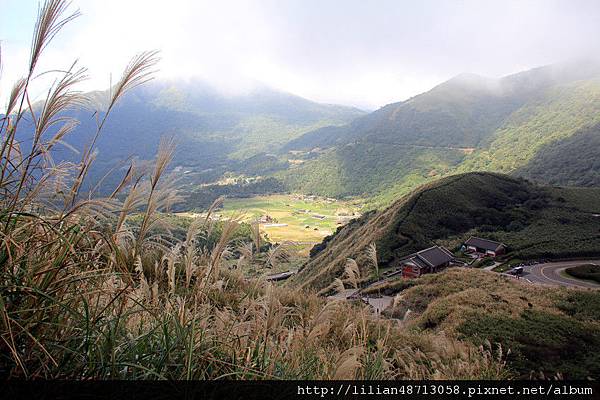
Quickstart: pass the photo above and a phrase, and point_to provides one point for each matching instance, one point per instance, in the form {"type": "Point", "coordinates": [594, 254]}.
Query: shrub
{"type": "Point", "coordinates": [540, 342]}
{"type": "Point", "coordinates": [583, 305]}
{"type": "Point", "coordinates": [589, 272]}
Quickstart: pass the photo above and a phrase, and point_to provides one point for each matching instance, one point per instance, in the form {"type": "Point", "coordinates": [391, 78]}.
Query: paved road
{"type": "Point", "coordinates": [550, 274]}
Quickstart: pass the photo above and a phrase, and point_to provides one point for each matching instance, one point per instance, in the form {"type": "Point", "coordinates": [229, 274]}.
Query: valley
{"type": "Point", "coordinates": [297, 218]}
{"type": "Point", "coordinates": [303, 220]}
{"type": "Point", "coordinates": [523, 125]}
{"type": "Point", "coordinates": [337, 210]}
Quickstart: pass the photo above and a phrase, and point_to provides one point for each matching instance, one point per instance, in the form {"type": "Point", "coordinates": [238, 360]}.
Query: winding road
{"type": "Point", "coordinates": [552, 274]}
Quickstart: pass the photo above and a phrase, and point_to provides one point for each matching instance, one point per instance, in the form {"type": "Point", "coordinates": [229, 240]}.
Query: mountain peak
{"type": "Point", "coordinates": [468, 80]}
{"type": "Point", "coordinates": [467, 77]}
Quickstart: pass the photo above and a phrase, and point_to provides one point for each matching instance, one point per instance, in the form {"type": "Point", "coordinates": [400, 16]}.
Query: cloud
{"type": "Point", "coordinates": [352, 52]}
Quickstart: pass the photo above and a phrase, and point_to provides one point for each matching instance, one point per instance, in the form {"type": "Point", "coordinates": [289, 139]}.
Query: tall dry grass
{"type": "Point", "coordinates": [85, 294]}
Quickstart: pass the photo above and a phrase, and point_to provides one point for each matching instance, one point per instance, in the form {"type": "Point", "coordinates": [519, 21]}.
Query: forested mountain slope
{"type": "Point", "coordinates": [214, 132]}
{"type": "Point", "coordinates": [573, 161]}
{"type": "Point", "coordinates": [468, 123]}
{"type": "Point", "coordinates": [534, 221]}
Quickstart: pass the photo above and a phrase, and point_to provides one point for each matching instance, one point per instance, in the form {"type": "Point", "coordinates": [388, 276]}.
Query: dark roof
{"type": "Point", "coordinates": [435, 256]}
{"type": "Point", "coordinates": [485, 244]}
{"type": "Point", "coordinates": [429, 258]}
{"type": "Point", "coordinates": [417, 262]}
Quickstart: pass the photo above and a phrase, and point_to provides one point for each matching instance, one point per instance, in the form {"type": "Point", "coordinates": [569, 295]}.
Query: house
{"type": "Point", "coordinates": [426, 261]}
{"type": "Point", "coordinates": [485, 246]}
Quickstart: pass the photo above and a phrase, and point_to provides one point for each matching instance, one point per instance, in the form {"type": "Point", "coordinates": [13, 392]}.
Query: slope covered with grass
{"type": "Point", "coordinates": [530, 124]}
{"type": "Point", "coordinates": [534, 221]}
{"type": "Point", "coordinates": [555, 115]}
{"type": "Point", "coordinates": [590, 272]}
{"type": "Point", "coordinates": [361, 169]}
{"type": "Point", "coordinates": [545, 333]}
{"type": "Point", "coordinates": [572, 161]}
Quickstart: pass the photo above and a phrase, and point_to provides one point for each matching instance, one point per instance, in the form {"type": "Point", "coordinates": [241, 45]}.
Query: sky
{"type": "Point", "coordinates": [363, 53]}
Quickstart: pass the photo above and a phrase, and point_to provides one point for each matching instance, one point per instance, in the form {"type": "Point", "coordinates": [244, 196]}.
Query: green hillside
{"type": "Point", "coordinates": [559, 113]}
{"type": "Point", "coordinates": [541, 332]}
{"type": "Point", "coordinates": [215, 132]}
{"type": "Point", "coordinates": [457, 113]}
{"type": "Point", "coordinates": [534, 221]}
{"type": "Point", "coordinates": [363, 169]}
{"type": "Point", "coordinates": [572, 161]}
{"type": "Point", "coordinates": [513, 125]}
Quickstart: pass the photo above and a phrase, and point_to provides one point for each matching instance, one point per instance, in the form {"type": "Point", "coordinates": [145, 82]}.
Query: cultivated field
{"type": "Point", "coordinates": [303, 219]}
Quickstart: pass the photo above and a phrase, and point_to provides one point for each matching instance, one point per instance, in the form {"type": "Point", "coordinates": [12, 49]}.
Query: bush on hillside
{"type": "Point", "coordinates": [588, 272]}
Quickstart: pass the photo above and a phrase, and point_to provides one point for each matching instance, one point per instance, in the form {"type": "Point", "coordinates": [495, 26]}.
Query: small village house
{"type": "Point", "coordinates": [430, 260]}
{"type": "Point", "coordinates": [485, 246]}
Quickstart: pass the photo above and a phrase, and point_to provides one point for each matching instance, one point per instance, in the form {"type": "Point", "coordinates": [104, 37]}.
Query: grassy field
{"type": "Point", "coordinates": [306, 220]}
{"type": "Point", "coordinates": [546, 331]}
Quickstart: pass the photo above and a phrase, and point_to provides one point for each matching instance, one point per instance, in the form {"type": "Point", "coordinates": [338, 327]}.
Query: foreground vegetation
{"type": "Point", "coordinates": [549, 333]}
{"type": "Point", "coordinates": [99, 288]}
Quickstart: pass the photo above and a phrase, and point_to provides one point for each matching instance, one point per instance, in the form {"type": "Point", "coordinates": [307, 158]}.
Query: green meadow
{"type": "Point", "coordinates": [303, 219]}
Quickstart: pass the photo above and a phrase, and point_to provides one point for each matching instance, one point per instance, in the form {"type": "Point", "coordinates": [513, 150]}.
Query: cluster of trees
{"type": "Point", "coordinates": [570, 162]}
{"type": "Point", "coordinates": [588, 271]}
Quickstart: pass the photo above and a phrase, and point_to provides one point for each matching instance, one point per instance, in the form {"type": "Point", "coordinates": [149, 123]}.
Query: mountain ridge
{"type": "Point", "coordinates": [468, 123]}
{"type": "Point", "coordinates": [215, 132]}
